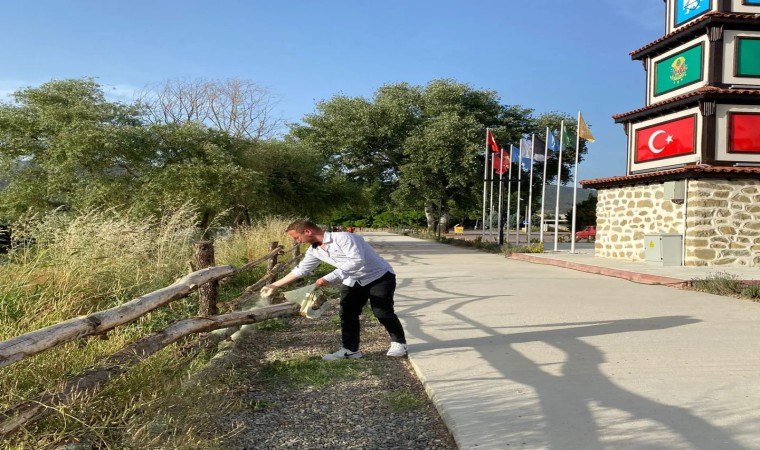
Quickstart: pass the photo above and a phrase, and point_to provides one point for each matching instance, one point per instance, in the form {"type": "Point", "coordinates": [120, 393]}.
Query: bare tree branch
{"type": "Point", "coordinates": [242, 108]}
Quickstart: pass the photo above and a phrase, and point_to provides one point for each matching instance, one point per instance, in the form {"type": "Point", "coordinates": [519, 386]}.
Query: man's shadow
{"type": "Point", "coordinates": [567, 394]}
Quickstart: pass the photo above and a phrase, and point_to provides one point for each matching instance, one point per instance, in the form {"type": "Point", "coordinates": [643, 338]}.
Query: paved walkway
{"type": "Point", "coordinates": [517, 354]}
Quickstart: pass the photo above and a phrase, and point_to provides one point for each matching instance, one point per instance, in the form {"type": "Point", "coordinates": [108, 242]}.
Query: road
{"type": "Point", "coordinates": [583, 246]}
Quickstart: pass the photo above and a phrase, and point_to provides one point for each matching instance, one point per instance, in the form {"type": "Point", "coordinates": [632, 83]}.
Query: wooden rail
{"type": "Point", "coordinates": [32, 343]}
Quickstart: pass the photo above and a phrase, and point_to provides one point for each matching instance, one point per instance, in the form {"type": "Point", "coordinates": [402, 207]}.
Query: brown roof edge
{"type": "Point", "coordinates": [690, 171]}
{"type": "Point", "coordinates": [693, 27]}
{"type": "Point", "coordinates": [693, 96]}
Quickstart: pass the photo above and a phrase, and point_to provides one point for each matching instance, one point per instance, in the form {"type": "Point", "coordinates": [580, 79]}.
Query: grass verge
{"type": "Point", "coordinates": [723, 283]}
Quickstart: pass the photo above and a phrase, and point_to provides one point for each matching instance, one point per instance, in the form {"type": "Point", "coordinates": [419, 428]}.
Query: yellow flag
{"type": "Point", "coordinates": [583, 130]}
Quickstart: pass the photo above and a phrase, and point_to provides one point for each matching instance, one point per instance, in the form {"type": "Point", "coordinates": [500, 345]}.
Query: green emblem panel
{"type": "Point", "coordinates": [681, 69]}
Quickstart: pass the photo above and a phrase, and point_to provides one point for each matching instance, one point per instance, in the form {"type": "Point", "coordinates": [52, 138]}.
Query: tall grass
{"type": "Point", "coordinates": [79, 264]}
{"type": "Point", "coordinates": [245, 244]}
{"type": "Point", "coordinates": [83, 263]}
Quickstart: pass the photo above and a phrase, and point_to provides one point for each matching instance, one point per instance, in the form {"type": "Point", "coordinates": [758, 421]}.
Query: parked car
{"type": "Point", "coordinates": [587, 233]}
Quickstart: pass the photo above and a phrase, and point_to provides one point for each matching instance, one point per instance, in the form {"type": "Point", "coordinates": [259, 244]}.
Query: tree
{"type": "Point", "coordinates": [423, 145]}
{"type": "Point", "coordinates": [63, 145]}
{"type": "Point", "coordinates": [233, 180]}
{"type": "Point", "coordinates": [241, 108]}
{"type": "Point", "coordinates": [192, 163]}
{"type": "Point", "coordinates": [585, 213]}
{"type": "Point", "coordinates": [294, 181]}
{"type": "Point", "coordinates": [363, 139]}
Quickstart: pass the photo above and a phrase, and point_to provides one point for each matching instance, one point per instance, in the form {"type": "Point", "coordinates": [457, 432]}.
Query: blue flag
{"type": "Point", "coordinates": [525, 153]}
{"type": "Point", "coordinates": [514, 154]}
{"type": "Point", "coordinates": [553, 142]}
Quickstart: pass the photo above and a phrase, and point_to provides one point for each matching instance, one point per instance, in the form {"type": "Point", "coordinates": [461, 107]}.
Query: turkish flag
{"type": "Point", "coordinates": [492, 142]}
{"type": "Point", "coordinates": [744, 134]}
{"type": "Point", "coordinates": [501, 166]}
{"type": "Point", "coordinates": [666, 139]}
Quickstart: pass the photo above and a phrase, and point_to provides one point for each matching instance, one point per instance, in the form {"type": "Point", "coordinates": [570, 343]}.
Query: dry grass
{"type": "Point", "coordinates": [246, 243]}
{"type": "Point", "coordinates": [89, 262]}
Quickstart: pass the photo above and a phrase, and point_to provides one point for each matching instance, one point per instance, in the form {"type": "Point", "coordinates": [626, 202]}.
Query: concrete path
{"type": "Point", "coordinates": [534, 356]}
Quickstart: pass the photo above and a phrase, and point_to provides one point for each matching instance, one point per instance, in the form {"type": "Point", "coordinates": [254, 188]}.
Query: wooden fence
{"type": "Point", "coordinates": [204, 278]}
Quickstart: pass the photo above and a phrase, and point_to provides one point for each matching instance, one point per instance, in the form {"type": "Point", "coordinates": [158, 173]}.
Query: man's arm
{"type": "Point", "coordinates": [307, 266]}
{"type": "Point", "coordinates": [284, 281]}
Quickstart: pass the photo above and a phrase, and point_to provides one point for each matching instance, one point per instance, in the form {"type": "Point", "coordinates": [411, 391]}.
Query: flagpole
{"type": "Point", "coordinates": [559, 179]}
{"type": "Point", "coordinates": [575, 181]}
{"type": "Point", "coordinates": [490, 209]}
{"type": "Point", "coordinates": [530, 186]}
{"type": "Point", "coordinates": [501, 185]}
{"type": "Point", "coordinates": [543, 185]}
{"type": "Point", "coordinates": [485, 186]}
{"type": "Point", "coordinates": [509, 187]}
{"type": "Point", "coordinates": [519, 189]}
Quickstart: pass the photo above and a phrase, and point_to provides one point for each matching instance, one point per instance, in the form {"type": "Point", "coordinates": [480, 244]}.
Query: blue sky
{"type": "Point", "coordinates": [550, 55]}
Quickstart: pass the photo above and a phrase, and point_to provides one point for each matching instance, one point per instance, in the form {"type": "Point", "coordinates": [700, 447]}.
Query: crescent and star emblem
{"type": "Point", "coordinates": [654, 149]}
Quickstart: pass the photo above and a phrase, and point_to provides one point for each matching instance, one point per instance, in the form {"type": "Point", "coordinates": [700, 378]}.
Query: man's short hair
{"type": "Point", "coordinates": [300, 225]}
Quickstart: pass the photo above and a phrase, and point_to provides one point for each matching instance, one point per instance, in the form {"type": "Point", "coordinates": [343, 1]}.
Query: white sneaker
{"type": "Point", "coordinates": [343, 353]}
{"type": "Point", "coordinates": [397, 349]}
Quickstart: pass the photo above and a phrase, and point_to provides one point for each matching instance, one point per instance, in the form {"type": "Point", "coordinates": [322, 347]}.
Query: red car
{"type": "Point", "coordinates": [587, 233]}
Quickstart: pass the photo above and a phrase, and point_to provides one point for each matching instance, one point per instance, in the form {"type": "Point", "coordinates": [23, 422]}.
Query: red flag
{"type": "Point", "coordinates": [666, 139]}
{"type": "Point", "coordinates": [492, 142]}
{"type": "Point", "coordinates": [499, 165]}
{"type": "Point", "coordinates": [744, 132]}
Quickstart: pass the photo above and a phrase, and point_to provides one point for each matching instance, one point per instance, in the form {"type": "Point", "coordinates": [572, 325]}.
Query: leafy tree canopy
{"type": "Point", "coordinates": [63, 145]}
{"type": "Point", "coordinates": [423, 144]}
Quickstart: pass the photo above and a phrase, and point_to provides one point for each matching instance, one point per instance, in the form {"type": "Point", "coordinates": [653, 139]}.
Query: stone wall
{"type": "Point", "coordinates": [720, 221]}
{"type": "Point", "coordinates": [723, 225]}
{"type": "Point", "coordinates": [624, 215]}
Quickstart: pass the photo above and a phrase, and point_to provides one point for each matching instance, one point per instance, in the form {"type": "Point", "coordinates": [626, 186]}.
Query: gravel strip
{"type": "Point", "coordinates": [345, 414]}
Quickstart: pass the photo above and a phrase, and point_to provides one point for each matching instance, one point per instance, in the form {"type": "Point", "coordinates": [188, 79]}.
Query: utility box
{"type": "Point", "coordinates": [663, 249]}
{"type": "Point", "coordinates": [675, 191]}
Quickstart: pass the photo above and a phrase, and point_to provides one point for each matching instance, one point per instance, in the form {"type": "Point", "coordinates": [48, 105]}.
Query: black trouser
{"type": "Point", "coordinates": [380, 296]}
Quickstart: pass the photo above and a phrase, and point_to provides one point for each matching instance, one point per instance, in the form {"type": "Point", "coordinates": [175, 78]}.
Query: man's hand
{"type": "Point", "coordinates": [321, 283]}
{"type": "Point", "coordinates": [268, 290]}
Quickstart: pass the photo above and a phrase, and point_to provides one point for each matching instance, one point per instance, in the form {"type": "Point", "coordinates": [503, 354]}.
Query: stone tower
{"type": "Point", "coordinates": [693, 153]}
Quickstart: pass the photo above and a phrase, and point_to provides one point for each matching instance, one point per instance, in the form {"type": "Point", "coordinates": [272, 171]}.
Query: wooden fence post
{"type": "Point", "coordinates": [207, 293]}
{"type": "Point", "coordinates": [273, 261]}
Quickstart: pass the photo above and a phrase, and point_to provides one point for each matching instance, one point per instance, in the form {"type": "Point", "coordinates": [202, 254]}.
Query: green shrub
{"type": "Point", "coordinates": [533, 247]}
{"type": "Point", "coordinates": [751, 291]}
{"type": "Point", "coordinates": [720, 283]}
